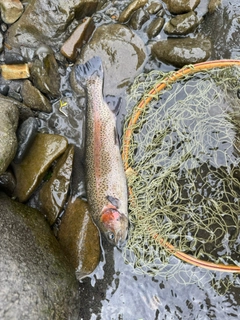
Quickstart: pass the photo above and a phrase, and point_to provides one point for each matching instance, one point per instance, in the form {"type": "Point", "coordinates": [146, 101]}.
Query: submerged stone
{"type": "Point", "coordinates": [79, 237]}
{"type": "Point", "coordinates": [8, 125]}
{"type": "Point", "coordinates": [54, 192]}
{"type": "Point", "coordinates": [37, 281]}
{"type": "Point", "coordinates": [115, 44]}
{"type": "Point", "coordinates": [29, 173]}
{"type": "Point", "coordinates": [34, 99]}
{"type": "Point", "coordinates": [182, 51]}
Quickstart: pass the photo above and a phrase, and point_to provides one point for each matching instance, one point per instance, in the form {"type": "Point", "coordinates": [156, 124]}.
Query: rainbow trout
{"type": "Point", "coordinates": [105, 177]}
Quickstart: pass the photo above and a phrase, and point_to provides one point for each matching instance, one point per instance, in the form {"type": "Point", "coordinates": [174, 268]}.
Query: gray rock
{"type": "Point", "coordinates": [8, 124]}
{"type": "Point", "coordinates": [182, 24]}
{"type": "Point", "coordinates": [37, 282]}
{"type": "Point", "coordinates": [122, 52]}
{"type": "Point", "coordinates": [182, 51]}
{"type": "Point", "coordinates": [7, 182]}
{"type": "Point", "coordinates": [47, 22]}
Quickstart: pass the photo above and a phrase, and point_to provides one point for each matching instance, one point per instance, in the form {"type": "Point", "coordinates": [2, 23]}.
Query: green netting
{"type": "Point", "coordinates": [185, 175]}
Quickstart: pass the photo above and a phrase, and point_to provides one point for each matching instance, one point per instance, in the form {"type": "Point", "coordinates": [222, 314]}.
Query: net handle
{"type": "Point", "coordinates": [137, 111]}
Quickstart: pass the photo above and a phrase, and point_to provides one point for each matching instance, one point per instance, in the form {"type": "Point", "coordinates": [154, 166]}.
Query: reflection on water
{"type": "Point", "coordinates": [115, 292]}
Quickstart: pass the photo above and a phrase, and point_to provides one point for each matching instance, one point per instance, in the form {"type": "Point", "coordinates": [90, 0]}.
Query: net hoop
{"type": "Point", "coordinates": [137, 111]}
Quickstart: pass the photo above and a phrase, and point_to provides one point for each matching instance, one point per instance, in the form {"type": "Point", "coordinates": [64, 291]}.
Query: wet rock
{"type": "Point", "coordinates": [11, 10]}
{"type": "Point", "coordinates": [34, 99]}
{"type": "Point", "coordinates": [78, 38]}
{"type": "Point", "coordinates": [182, 51]}
{"type": "Point", "coordinates": [183, 6]}
{"type": "Point", "coordinates": [44, 73]}
{"type": "Point", "coordinates": [155, 27]}
{"type": "Point", "coordinates": [182, 24]}
{"type": "Point", "coordinates": [7, 182]}
{"type": "Point", "coordinates": [24, 111]}
{"type": "Point", "coordinates": [13, 72]}
{"type": "Point", "coordinates": [37, 281]}
{"type": "Point", "coordinates": [47, 22]}
{"type": "Point", "coordinates": [29, 173]}
{"type": "Point", "coordinates": [4, 89]}
{"type": "Point", "coordinates": [128, 11]}
{"type": "Point", "coordinates": [79, 237]}
{"type": "Point", "coordinates": [115, 44]}
{"type": "Point", "coordinates": [138, 18]}
{"type": "Point", "coordinates": [8, 125]}
{"type": "Point", "coordinates": [26, 134]}
{"type": "Point", "coordinates": [54, 192]}
{"type": "Point", "coordinates": [154, 7]}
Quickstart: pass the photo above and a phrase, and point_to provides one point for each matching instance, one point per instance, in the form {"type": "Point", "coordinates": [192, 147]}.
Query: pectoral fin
{"type": "Point", "coordinates": [114, 201]}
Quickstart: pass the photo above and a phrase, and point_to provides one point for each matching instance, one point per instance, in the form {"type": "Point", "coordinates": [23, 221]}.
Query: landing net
{"type": "Point", "coordinates": [181, 155]}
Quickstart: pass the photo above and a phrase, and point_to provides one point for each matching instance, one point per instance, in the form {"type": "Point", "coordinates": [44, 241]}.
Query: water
{"type": "Point", "coordinates": [114, 291]}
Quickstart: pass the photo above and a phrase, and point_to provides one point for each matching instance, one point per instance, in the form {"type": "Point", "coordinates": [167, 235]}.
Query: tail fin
{"type": "Point", "coordinates": [91, 69]}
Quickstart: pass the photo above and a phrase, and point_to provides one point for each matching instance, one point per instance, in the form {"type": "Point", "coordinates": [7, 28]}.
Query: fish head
{"type": "Point", "coordinates": [114, 226]}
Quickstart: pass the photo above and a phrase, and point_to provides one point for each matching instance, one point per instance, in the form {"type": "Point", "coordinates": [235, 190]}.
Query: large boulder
{"type": "Point", "coordinates": [37, 282]}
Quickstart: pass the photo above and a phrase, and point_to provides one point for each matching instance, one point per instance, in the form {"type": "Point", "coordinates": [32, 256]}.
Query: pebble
{"type": "Point", "coordinates": [183, 6]}
{"type": "Point", "coordinates": [15, 71]}
{"type": "Point", "coordinates": [44, 72]}
{"type": "Point", "coordinates": [128, 11]}
{"type": "Point", "coordinates": [79, 238]}
{"type": "Point", "coordinates": [78, 38]}
{"type": "Point", "coordinates": [13, 58]}
{"type": "Point", "coordinates": [11, 10]}
{"type": "Point", "coordinates": [138, 18]}
{"type": "Point", "coordinates": [54, 192]}
{"type": "Point", "coordinates": [182, 24]}
{"type": "Point", "coordinates": [4, 89]}
{"type": "Point", "coordinates": [29, 173]}
{"type": "Point", "coordinates": [155, 27]}
{"type": "Point", "coordinates": [154, 7]}
{"type": "Point", "coordinates": [34, 99]}
{"type": "Point", "coordinates": [26, 134]}
{"type": "Point", "coordinates": [7, 182]}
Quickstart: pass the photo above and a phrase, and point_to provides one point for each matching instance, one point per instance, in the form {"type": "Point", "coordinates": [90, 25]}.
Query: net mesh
{"type": "Point", "coordinates": [184, 173]}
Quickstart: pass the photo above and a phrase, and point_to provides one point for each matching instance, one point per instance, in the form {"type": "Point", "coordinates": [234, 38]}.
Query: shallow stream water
{"type": "Point", "coordinates": [114, 291]}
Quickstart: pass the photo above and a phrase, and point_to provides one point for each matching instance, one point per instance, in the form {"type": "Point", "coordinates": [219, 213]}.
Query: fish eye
{"type": "Point", "coordinates": [111, 236]}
